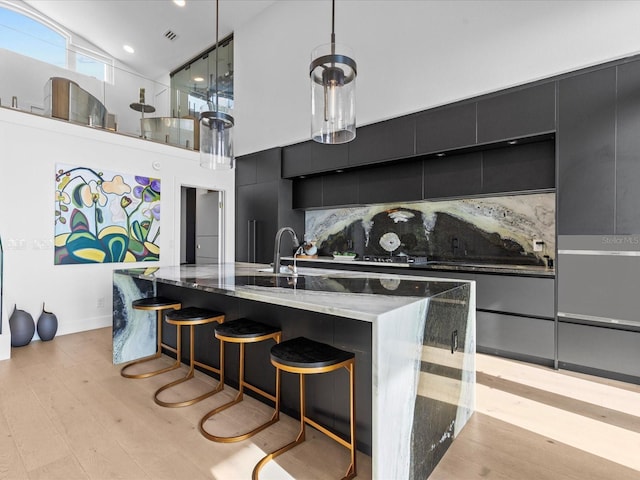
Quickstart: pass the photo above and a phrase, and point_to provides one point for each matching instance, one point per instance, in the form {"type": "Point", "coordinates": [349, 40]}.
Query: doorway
{"type": "Point", "coordinates": [201, 215]}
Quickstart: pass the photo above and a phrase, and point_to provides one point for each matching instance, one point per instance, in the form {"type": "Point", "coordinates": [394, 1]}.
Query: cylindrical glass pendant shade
{"type": "Point", "coordinates": [333, 94]}
{"type": "Point", "coordinates": [216, 140]}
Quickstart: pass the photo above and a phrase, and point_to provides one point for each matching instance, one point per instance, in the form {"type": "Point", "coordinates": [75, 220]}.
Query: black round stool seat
{"type": "Point", "coordinates": [192, 316]}
{"type": "Point", "coordinates": [302, 352]}
{"type": "Point", "coordinates": [154, 302]}
{"type": "Point", "coordinates": [243, 328]}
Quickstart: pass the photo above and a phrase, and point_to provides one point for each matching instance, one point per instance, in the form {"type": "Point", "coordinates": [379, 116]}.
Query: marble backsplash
{"type": "Point", "coordinates": [493, 229]}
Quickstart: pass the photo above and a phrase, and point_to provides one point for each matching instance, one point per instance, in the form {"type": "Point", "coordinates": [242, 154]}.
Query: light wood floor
{"type": "Point", "coordinates": [66, 413]}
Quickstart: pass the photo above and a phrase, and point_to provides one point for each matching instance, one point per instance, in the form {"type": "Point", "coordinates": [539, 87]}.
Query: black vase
{"type": "Point", "coordinates": [22, 327]}
{"type": "Point", "coordinates": [47, 325]}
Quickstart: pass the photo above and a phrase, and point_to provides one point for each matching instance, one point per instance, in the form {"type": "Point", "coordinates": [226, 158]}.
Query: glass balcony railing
{"type": "Point", "coordinates": [120, 101]}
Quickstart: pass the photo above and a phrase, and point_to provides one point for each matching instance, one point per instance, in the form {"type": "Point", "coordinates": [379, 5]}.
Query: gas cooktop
{"type": "Point", "coordinates": [394, 259]}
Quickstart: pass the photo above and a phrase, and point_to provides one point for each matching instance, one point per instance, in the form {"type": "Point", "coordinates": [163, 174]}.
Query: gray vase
{"type": "Point", "coordinates": [47, 325]}
{"type": "Point", "coordinates": [22, 327]}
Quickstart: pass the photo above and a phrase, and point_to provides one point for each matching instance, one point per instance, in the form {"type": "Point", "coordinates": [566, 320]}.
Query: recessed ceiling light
{"type": "Point", "coordinates": [180, 3]}
{"type": "Point", "coordinates": [128, 48]}
{"type": "Point", "coordinates": [198, 79]}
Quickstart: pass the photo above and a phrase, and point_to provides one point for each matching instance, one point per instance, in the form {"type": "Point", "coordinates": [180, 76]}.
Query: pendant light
{"type": "Point", "coordinates": [216, 132]}
{"type": "Point", "coordinates": [333, 91]}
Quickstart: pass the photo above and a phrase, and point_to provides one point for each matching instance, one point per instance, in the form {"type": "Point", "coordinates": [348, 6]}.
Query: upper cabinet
{"type": "Point", "coordinates": [628, 150]}
{"type": "Point", "coordinates": [472, 124]}
{"type": "Point", "coordinates": [446, 128]}
{"type": "Point", "coordinates": [518, 113]}
{"type": "Point", "coordinates": [586, 153]}
{"type": "Point", "coordinates": [384, 141]}
{"type": "Point", "coordinates": [312, 157]}
{"type": "Point", "coordinates": [599, 152]}
{"type": "Point", "coordinates": [518, 168]}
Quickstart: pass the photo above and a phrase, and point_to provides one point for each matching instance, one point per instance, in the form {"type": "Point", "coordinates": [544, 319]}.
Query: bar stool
{"type": "Point", "coordinates": [304, 356]}
{"type": "Point", "coordinates": [243, 331]}
{"type": "Point", "coordinates": [190, 317]}
{"type": "Point", "coordinates": [159, 304]}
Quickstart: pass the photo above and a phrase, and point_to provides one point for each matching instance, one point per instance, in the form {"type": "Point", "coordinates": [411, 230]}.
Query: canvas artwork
{"type": "Point", "coordinates": [105, 217]}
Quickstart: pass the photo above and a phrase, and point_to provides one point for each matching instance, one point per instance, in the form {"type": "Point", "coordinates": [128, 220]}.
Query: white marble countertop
{"type": "Point", "coordinates": [358, 295]}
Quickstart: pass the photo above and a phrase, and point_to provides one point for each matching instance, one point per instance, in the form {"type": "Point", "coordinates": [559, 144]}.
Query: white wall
{"type": "Point", "coordinates": [81, 295]}
{"type": "Point", "coordinates": [414, 55]}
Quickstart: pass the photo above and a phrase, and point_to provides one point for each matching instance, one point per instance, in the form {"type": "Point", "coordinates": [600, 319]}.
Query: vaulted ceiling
{"type": "Point", "coordinates": [142, 24]}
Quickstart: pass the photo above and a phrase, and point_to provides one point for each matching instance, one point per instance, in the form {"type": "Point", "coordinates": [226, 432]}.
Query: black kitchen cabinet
{"type": "Point", "coordinates": [312, 157]}
{"type": "Point", "coordinates": [518, 113]}
{"type": "Point", "coordinates": [586, 153]}
{"type": "Point", "coordinates": [628, 150]}
{"type": "Point", "coordinates": [326, 191]}
{"type": "Point", "coordinates": [391, 183]}
{"type": "Point", "coordinates": [307, 192]}
{"type": "Point", "coordinates": [446, 128]}
{"type": "Point", "coordinates": [529, 166]}
{"type": "Point", "coordinates": [453, 176]}
{"type": "Point", "coordinates": [340, 189]}
{"type": "Point", "coordinates": [296, 160]}
{"type": "Point", "coordinates": [263, 204]}
{"type": "Point", "coordinates": [256, 216]}
{"type": "Point", "coordinates": [384, 141]}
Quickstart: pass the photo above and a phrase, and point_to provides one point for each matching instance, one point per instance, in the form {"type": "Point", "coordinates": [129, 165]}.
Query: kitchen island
{"type": "Point", "coordinates": [414, 340]}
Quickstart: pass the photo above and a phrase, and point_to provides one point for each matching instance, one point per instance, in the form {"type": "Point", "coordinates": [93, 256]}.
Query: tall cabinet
{"type": "Point", "coordinates": [263, 205]}
{"type": "Point", "coordinates": [598, 220]}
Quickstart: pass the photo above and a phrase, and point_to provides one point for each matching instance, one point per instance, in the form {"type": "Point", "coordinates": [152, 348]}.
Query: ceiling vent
{"type": "Point", "coordinates": [170, 35]}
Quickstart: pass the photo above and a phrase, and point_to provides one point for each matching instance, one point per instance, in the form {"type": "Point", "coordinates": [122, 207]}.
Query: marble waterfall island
{"type": "Point", "coordinates": [414, 340]}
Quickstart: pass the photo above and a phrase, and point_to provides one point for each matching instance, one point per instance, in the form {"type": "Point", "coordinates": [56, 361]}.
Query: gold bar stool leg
{"type": "Point", "coordinates": [243, 331]}
{"type": "Point", "coordinates": [191, 317]}
{"type": "Point", "coordinates": [305, 357]}
{"type": "Point", "coordinates": [159, 304]}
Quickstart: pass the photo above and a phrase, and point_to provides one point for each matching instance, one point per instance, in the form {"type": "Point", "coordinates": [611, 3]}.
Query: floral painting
{"type": "Point", "coordinates": [105, 217]}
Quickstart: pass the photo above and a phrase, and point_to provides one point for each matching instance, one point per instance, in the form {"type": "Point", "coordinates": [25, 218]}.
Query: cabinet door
{"type": "Point", "coordinates": [518, 113]}
{"type": "Point", "coordinates": [313, 157]}
{"type": "Point", "coordinates": [266, 216]}
{"type": "Point", "coordinates": [258, 167]}
{"type": "Point", "coordinates": [268, 165]}
{"type": "Point", "coordinates": [307, 192]}
{"type": "Point", "coordinates": [256, 221]}
{"type": "Point", "coordinates": [446, 128]}
{"type": "Point", "coordinates": [328, 158]}
{"type": "Point", "coordinates": [340, 189]}
{"type": "Point", "coordinates": [246, 170]}
{"type": "Point", "coordinates": [453, 176]}
{"type": "Point", "coordinates": [391, 183]}
{"type": "Point", "coordinates": [296, 160]}
{"type": "Point", "coordinates": [383, 141]}
{"type": "Point", "coordinates": [586, 153]}
{"type": "Point", "coordinates": [245, 207]}
{"type": "Point", "coordinates": [628, 150]}
{"type": "Point", "coordinates": [517, 168]}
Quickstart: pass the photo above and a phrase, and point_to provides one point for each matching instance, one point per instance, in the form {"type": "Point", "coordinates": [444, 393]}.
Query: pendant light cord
{"type": "Point", "coordinates": [217, 16]}
{"type": "Point", "coordinates": [333, 27]}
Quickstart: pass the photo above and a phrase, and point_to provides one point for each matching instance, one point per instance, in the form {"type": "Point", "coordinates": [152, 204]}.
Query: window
{"type": "Point", "coordinates": [27, 36]}
{"type": "Point", "coordinates": [36, 38]}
